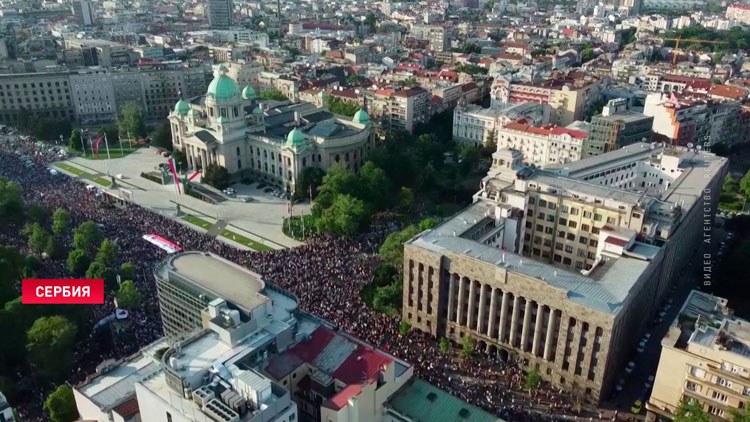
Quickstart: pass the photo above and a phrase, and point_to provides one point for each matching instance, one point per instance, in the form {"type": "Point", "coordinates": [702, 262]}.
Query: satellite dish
{"type": "Point", "coordinates": [690, 145]}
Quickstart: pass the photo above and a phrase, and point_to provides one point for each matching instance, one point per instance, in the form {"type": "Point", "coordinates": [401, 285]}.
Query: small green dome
{"type": "Point", "coordinates": [248, 93]}
{"type": "Point", "coordinates": [323, 95]}
{"type": "Point", "coordinates": [257, 111]}
{"type": "Point", "coordinates": [182, 107]}
{"type": "Point", "coordinates": [361, 117]}
{"type": "Point", "coordinates": [295, 138]}
{"type": "Point", "coordinates": [222, 87]}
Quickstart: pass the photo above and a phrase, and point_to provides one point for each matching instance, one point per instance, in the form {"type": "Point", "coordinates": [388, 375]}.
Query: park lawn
{"type": "Point", "coordinates": [197, 221]}
{"type": "Point", "coordinates": [245, 241]}
{"type": "Point", "coordinates": [113, 153]}
{"type": "Point", "coordinates": [102, 181]}
{"type": "Point", "coordinates": [71, 169]}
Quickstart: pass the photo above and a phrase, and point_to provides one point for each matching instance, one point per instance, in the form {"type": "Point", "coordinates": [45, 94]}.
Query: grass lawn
{"type": "Point", "coordinates": [113, 153]}
{"type": "Point", "coordinates": [102, 181]}
{"type": "Point", "coordinates": [71, 169]}
{"type": "Point", "coordinates": [197, 221]}
{"type": "Point", "coordinates": [245, 241]}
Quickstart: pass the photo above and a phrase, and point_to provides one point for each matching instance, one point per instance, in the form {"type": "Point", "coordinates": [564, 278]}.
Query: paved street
{"type": "Point", "coordinates": [259, 220]}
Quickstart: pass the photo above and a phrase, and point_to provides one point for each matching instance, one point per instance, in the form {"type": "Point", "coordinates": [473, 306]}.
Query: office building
{"type": "Point", "coordinates": [95, 52]}
{"type": "Point", "coordinates": [562, 267]}
{"type": "Point", "coordinates": [219, 14]}
{"type": "Point", "coordinates": [473, 124]}
{"type": "Point", "coordinates": [93, 96]}
{"type": "Point", "coordinates": [617, 127]}
{"type": "Point", "coordinates": [222, 322]}
{"type": "Point", "coordinates": [438, 36]}
{"type": "Point", "coordinates": [273, 141]}
{"type": "Point", "coordinates": [419, 401]}
{"type": "Point", "coordinates": [335, 377]}
{"type": "Point", "coordinates": [543, 145]}
{"type": "Point", "coordinates": [83, 12]}
{"type": "Point", "coordinates": [704, 357]}
{"type": "Point", "coordinates": [35, 96]}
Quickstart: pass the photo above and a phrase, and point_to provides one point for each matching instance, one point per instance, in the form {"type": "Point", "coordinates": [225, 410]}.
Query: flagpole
{"type": "Point", "coordinates": [119, 138]}
{"type": "Point", "coordinates": [130, 140]}
{"type": "Point", "coordinates": [106, 144]}
{"type": "Point", "coordinates": [83, 144]}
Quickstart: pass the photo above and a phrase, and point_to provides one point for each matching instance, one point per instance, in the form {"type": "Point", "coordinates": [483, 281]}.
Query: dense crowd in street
{"type": "Point", "coordinates": [326, 274]}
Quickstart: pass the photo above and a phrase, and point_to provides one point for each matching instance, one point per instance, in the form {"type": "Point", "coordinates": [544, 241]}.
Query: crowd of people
{"type": "Point", "coordinates": [326, 274]}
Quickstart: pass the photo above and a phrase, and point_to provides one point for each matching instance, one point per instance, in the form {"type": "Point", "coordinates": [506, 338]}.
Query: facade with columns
{"type": "Point", "coordinates": [268, 140]}
{"type": "Point", "coordinates": [500, 273]}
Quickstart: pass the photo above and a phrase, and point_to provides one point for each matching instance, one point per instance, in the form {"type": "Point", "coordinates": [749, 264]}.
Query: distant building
{"type": "Point", "coordinates": [83, 13]}
{"type": "Point", "coordinates": [739, 12]}
{"type": "Point", "coordinates": [438, 36]}
{"type": "Point", "coordinates": [473, 124]}
{"type": "Point", "coordinates": [99, 52]}
{"type": "Point", "coordinates": [219, 14]}
{"type": "Point", "coordinates": [35, 95]}
{"type": "Point", "coordinates": [616, 127]}
{"type": "Point", "coordinates": [542, 145]}
{"type": "Point", "coordinates": [400, 109]}
{"type": "Point", "coordinates": [419, 401]}
{"type": "Point", "coordinates": [704, 357]}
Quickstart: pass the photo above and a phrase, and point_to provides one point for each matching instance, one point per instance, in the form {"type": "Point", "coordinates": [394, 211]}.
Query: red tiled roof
{"type": "Point", "coordinates": [727, 91]}
{"type": "Point", "coordinates": [341, 398]}
{"type": "Point", "coordinates": [361, 365]}
{"type": "Point", "coordinates": [128, 408]}
{"type": "Point", "coordinates": [522, 126]}
{"type": "Point", "coordinates": [409, 92]}
{"type": "Point", "coordinates": [385, 92]}
{"type": "Point", "coordinates": [740, 6]}
{"type": "Point", "coordinates": [326, 26]}
{"type": "Point", "coordinates": [572, 132]}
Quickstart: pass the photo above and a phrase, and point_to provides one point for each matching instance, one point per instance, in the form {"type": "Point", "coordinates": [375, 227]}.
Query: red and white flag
{"type": "Point", "coordinates": [96, 144]}
{"type": "Point", "coordinates": [173, 168]}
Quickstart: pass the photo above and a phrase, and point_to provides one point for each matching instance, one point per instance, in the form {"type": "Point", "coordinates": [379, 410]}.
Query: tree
{"type": "Point", "coordinates": [345, 216]}
{"type": "Point", "coordinates": [405, 197]}
{"type": "Point", "coordinates": [128, 296]}
{"type": "Point", "coordinates": [392, 249]}
{"type": "Point", "coordinates": [404, 327]}
{"type": "Point", "coordinates": [216, 176]}
{"type": "Point", "coordinates": [388, 298]}
{"type": "Point", "coordinates": [10, 273]}
{"type": "Point", "coordinates": [38, 213]}
{"type": "Point", "coordinates": [61, 405]}
{"type": "Point", "coordinates": [745, 184]}
{"type": "Point", "coordinates": [427, 224]}
{"type": "Point", "coordinates": [342, 107]}
{"type": "Point", "coordinates": [111, 132]}
{"type": "Point", "coordinates": [339, 180]}
{"type": "Point", "coordinates": [180, 159]}
{"type": "Point", "coordinates": [533, 379]}
{"type": "Point", "coordinates": [374, 185]}
{"type": "Point", "coordinates": [163, 137]}
{"type": "Point", "coordinates": [107, 252]}
{"type": "Point", "coordinates": [587, 55]}
{"type": "Point", "coordinates": [691, 411]}
{"type": "Point", "coordinates": [467, 347]}
{"type": "Point", "coordinates": [130, 122]}
{"type": "Point", "coordinates": [126, 270]}
{"type": "Point", "coordinates": [60, 222]}
{"type": "Point", "coordinates": [76, 140]}
{"type": "Point", "coordinates": [309, 180]}
{"type": "Point", "coordinates": [98, 270]}
{"type": "Point", "coordinates": [445, 345]}
{"type": "Point", "coordinates": [273, 94]}
{"type": "Point", "coordinates": [11, 205]}
{"type": "Point", "coordinates": [38, 238]}
{"type": "Point", "coordinates": [87, 236]}
{"type": "Point", "coordinates": [49, 342]}
{"type": "Point", "coordinates": [78, 261]}
{"type": "Point", "coordinates": [352, 79]}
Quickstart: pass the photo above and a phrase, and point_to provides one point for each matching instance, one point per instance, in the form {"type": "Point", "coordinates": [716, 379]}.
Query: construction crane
{"type": "Point", "coordinates": [677, 45]}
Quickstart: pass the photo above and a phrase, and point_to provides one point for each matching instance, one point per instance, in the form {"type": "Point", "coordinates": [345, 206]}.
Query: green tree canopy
{"type": "Point", "coordinates": [49, 342]}
{"type": "Point", "coordinates": [38, 238]}
{"type": "Point", "coordinates": [78, 261]}
{"type": "Point", "coordinates": [533, 379]}
{"type": "Point", "coordinates": [128, 296]}
{"type": "Point", "coordinates": [745, 184]}
{"type": "Point", "coordinates": [345, 216]}
{"type": "Point", "coordinates": [98, 270]}
{"type": "Point", "coordinates": [75, 142]}
{"type": "Point", "coordinates": [310, 179]}
{"type": "Point", "coordinates": [163, 137]}
{"type": "Point", "coordinates": [60, 222]}
{"type": "Point", "coordinates": [691, 411]}
{"type": "Point", "coordinates": [404, 327]}
{"type": "Point", "coordinates": [38, 213]}
{"type": "Point", "coordinates": [339, 180]}
{"type": "Point", "coordinates": [107, 253]}
{"type": "Point", "coordinates": [216, 176]}
{"type": "Point", "coordinates": [342, 107]}
{"type": "Point", "coordinates": [10, 272]}
{"type": "Point", "coordinates": [375, 185]}
{"type": "Point", "coordinates": [127, 269]}
{"type": "Point", "coordinates": [130, 122]}
{"type": "Point", "coordinates": [445, 345]}
{"type": "Point", "coordinates": [273, 94]}
{"type": "Point", "coordinates": [392, 249]}
{"type": "Point", "coordinates": [11, 205]}
{"type": "Point", "coordinates": [61, 405]}
{"type": "Point", "coordinates": [87, 236]}
{"type": "Point", "coordinates": [405, 197]}
{"type": "Point", "coordinates": [467, 347]}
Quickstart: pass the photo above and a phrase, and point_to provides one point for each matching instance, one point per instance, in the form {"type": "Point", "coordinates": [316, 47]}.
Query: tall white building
{"type": "Point", "coordinates": [474, 125]}
{"type": "Point", "coordinates": [93, 96]}
{"type": "Point", "coordinates": [542, 146]}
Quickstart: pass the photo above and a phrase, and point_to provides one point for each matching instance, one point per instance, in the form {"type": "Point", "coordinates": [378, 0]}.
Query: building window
{"type": "Point", "coordinates": [169, 417]}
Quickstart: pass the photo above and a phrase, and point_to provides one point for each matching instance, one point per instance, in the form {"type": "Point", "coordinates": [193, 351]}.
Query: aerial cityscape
{"type": "Point", "coordinates": [389, 211]}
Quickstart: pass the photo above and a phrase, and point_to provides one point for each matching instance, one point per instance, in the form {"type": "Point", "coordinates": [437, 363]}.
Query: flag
{"type": "Point", "coordinates": [173, 168]}
{"type": "Point", "coordinates": [481, 184]}
{"type": "Point", "coordinates": [673, 99]}
{"type": "Point", "coordinates": [96, 144]}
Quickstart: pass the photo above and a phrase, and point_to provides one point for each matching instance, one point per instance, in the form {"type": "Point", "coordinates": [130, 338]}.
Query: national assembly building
{"type": "Point", "coordinates": [563, 267]}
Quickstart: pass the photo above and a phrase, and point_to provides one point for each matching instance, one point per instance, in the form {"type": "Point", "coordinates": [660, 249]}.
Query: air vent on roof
{"type": "Point", "coordinates": [464, 413]}
{"type": "Point", "coordinates": [431, 396]}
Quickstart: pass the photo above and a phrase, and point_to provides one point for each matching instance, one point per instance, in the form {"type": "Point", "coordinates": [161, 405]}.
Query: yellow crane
{"type": "Point", "coordinates": [677, 45]}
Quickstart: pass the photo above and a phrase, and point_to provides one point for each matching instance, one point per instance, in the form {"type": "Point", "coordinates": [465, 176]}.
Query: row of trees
{"type": "Point", "coordinates": [340, 106]}
{"type": "Point", "coordinates": [737, 38]}
{"type": "Point", "coordinates": [130, 122]}
{"type": "Point", "coordinates": [734, 193]}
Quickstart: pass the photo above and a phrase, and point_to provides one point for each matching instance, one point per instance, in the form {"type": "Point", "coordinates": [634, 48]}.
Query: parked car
{"type": "Point", "coordinates": [267, 190]}
{"type": "Point", "coordinates": [245, 198]}
{"type": "Point", "coordinates": [631, 366]}
{"type": "Point", "coordinates": [637, 406]}
{"type": "Point", "coordinates": [649, 381]}
{"type": "Point", "coordinates": [641, 347]}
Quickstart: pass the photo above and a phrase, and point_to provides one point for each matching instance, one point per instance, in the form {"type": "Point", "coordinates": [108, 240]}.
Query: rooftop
{"type": "Point", "coordinates": [423, 402]}
{"type": "Point", "coordinates": [224, 278]}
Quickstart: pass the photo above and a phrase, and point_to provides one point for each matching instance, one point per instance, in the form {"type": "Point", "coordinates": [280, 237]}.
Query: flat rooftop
{"type": "Point", "coordinates": [632, 152]}
{"type": "Point", "coordinates": [421, 401]}
{"type": "Point", "coordinates": [605, 289]}
{"type": "Point", "coordinates": [224, 278]}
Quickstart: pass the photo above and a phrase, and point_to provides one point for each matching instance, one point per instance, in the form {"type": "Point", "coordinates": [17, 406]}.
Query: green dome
{"type": "Point", "coordinates": [182, 107]}
{"type": "Point", "coordinates": [248, 93]}
{"type": "Point", "coordinates": [222, 87]}
{"type": "Point", "coordinates": [257, 111]}
{"type": "Point", "coordinates": [361, 117]}
{"type": "Point", "coordinates": [295, 139]}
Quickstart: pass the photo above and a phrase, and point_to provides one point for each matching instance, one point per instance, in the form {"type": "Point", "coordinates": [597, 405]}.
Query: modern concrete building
{"type": "Point", "coordinates": [83, 12]}
{"type": "Point", "coordinates": [400, 109]}
{"type": "Point", "coordinates": [543, 145]}
{"type": "Point", "coordinates": [93, 96]}
{"type": "Point", "coordinates": [419, 401]}
{"type": "Point", "coordinates": [562, 267]}
{"type": "Point", "coordinates": [473, 124]}
{"type": "Point", "coordinates": [273, 141]}
{"type": "Point", "coordinates": [705, 356]}
{"type": "Point", "coordinates": [617, 127]}
{"type": "Point", "coordinates": [35, 95]}
{"type": "Point", "coordinates": [219, 14]}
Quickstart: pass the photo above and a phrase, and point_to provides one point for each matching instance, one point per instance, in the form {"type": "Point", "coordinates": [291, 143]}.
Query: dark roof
{"type": "Point", "coordinates": [205, 136]}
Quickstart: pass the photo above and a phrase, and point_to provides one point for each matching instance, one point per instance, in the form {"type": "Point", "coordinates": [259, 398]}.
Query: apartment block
{"type": "Point", "coordinates": [704, 357]}
{"type": "Point", "coordinates": [617, 127]}
{"type": "Point", "coordinates": [400, 109]}
{"type": "Point", "coordinates": [562, 267]}
{"type": "Point", "coordinates": [543, 145]}
{"type": "Point", "coordinates": [473, 124]}
{"type": "Point", "coordinates": [35, 95]}
{"type": "Point", "coordinates": [739, 12]}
